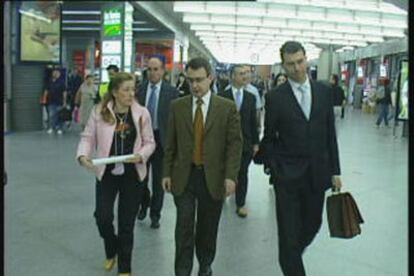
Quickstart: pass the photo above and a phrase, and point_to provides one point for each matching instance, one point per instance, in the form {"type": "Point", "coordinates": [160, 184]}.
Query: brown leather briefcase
{"type": "Point", "coordinates": [344, 218]}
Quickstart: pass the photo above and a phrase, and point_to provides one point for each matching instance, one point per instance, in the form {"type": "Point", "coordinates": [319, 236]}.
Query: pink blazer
{"type": "Point", "coordinates": [98, 135]}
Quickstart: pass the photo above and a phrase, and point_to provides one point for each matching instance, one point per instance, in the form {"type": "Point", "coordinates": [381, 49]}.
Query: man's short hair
{"type": "Point", "coordinates": [197, 63]}
{"type": "Point", "coordinates": [157, 57]}
{"type": "Point", "coordinates": [112, 67]}
{"type": "Point", "coordinates": [234, 68]}
{"type": "Point", "coordinates": [291, 47]}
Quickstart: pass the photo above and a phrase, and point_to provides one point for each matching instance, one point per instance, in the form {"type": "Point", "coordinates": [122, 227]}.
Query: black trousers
{"type": "Point", "coordinates": [130, 193]}
{"type": "Point", "coordinates": [299, 217]}
{"type": "Point", "coordinates": [241, 188]}
{"type": "Point", "coordinates": [196, 198]}
{"type": "Point", "coordinates": [155, 202]}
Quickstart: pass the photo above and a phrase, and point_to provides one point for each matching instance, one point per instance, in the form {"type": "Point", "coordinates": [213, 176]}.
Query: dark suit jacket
{"type": "Point", "coordinates": [167, 94]}
{"type": "Point", "coordinates": [222, 145]}
{"type": "Point", "coordinates": [292, 144]}
{"type": "Point", "coordinates": [247, 118]}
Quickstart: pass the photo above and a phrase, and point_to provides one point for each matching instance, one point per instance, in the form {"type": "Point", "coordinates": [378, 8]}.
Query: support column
{"type": "Point", "coordinates": [325, 63]}
{"type": "Point", "coordinates": [116, 37]}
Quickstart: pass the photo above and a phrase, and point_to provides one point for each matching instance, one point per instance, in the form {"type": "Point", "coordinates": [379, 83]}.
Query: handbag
{"type": "Point", "coordinates": [65, 114]}
{"type": "Point", "coordinates": [344, 218]}
{"type": "Point", "coordinates": [76, 114]}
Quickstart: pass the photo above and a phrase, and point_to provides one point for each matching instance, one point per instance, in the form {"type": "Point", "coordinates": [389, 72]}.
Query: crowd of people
{"type": "Point", "coordinates": [196, 141]}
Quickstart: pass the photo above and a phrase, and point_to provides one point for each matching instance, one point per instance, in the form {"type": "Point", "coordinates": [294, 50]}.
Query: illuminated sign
{"type": "Point", "coordinates": [360, 73]}
{"type": "Point", "coordinates": [112, 22]}
{"type": "Point", "coordinates": [111, 47]}
{"type": "Point", "coordinates": [383, 71]}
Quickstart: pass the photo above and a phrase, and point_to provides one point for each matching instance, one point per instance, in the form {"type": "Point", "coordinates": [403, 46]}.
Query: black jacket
{"type": "Point", "coordinates": [292, 144]}
{"type": "Point", "coordinates": [338, 95]}
{"type": "Point", "coordinates": [247, 119]}
{"type": "Point", "coordinates": [167, 94]}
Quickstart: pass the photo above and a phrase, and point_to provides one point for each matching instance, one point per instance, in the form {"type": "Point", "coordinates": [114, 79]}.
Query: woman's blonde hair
{"type": "Point", "coordinates": [116, 81]}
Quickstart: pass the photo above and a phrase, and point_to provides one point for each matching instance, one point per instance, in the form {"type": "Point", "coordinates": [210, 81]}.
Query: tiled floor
{"type": "Point", "coordinates": [50, 230]}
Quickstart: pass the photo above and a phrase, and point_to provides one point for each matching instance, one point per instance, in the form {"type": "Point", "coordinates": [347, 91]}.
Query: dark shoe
{"type": "Point", "coordinates": [205, 271]}
{"type": "Point", "coordinates": [155, 224]}
{"type": "Point", "coordinates": [142, 214]}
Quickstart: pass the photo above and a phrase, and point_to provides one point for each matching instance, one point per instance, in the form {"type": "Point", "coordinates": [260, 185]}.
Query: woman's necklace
{"type": "Point", "coordinates": [122, 120]}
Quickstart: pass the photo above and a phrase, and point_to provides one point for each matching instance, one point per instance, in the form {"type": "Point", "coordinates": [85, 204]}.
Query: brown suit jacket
{"type": "Point", "coordinates": [222, 144]}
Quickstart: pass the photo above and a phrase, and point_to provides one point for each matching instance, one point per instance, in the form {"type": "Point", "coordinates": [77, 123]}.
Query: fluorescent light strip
{"type": "Point", "coordinates": [144, 29]}
{"type": "Point", "coordinates": [283, 13]}
{"type": "Point", "coordinates": [286, 35]}
{"type": "Point", "coordinates": [81, 12]}
{"type": "Point", "coordinates": [269, 24]}
{"type": "Point", "coordinates": [81, 21]}
{"type": "Point", "coordinates": [81, 28]}
{"type": "Point", "coordinates": [347, 5]}
{"type": "Point", "coordinates": [304, 39]}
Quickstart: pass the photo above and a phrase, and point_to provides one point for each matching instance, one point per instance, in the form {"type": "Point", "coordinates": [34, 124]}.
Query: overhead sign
{"type": "Point", "coordinates": [383, 71]}
{"type": "Point", "coordinates": [112, 22]}
{"type": "Point", "coordinates": [111, 47]}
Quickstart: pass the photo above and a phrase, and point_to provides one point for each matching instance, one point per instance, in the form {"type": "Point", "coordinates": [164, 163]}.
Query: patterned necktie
{"type": "Point", "coordinates": [198, 134]}
{"type": "Point", "coordinates": [151, 103]}
{"type": "Point", "coordinates": [304, 101]}
{"type": "Point", "coordinates": [238, 99]}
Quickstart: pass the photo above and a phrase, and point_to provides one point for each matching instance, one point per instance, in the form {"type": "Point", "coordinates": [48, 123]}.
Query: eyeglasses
{"type": "Point", "coordinates": [196, 80]}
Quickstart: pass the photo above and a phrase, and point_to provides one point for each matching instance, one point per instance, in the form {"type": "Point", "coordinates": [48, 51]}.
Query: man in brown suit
{"type": "Point", "coordinates": [201, 164]}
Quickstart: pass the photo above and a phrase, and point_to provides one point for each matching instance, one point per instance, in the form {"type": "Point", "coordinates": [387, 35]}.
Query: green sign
{"type": "Point", "coordinates": [113, 22]}
{"type": "Point", "coordinates": [403, 104]}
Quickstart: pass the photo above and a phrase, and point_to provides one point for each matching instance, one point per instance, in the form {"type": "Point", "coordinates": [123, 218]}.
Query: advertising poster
{"type": "Point", "coordinates": [403, 92]}
{"type": "Point", "coordinates": [40, 31]}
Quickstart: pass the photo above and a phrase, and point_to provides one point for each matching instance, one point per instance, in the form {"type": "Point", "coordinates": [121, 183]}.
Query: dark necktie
{"type": "Point", "coordinates": [151, 103]}
{"type": "Point", "coordinates": [198, 134]}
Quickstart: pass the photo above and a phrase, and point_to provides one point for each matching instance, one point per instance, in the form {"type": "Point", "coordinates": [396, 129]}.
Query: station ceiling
{"type": "Point", "coordinates": [253, 31]}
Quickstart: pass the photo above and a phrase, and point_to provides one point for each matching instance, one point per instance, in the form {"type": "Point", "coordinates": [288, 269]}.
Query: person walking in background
{"type": "Point", "coordinates": [338, 96]}
{"type": "Point", "coordinates": [252, 89]}
{"type": "Point", "coordinates": [86, 95]}
{"type": "Point", "coordinates": [383, 99]}
{"type": "Point", "coordinates": [74, 82]}
{"type": "Point", "coordinates": [156, 95]}
{"type": "Point", "coordinates": [111, 70]}
{"type": "Point", "coordinates": [56, 94]}
{"type": "Point", "coordinates": [300, 145]}
{"type": "Point", "coordinates": [246, 105]}
{"type": "Point", "coordinates": [182, 85]}
{"type": "Point", "coordinates": [280, 78]}
{"type": "Point", "coordinates": [202, 158]}
{"type": "Point", "coordinates": [118, 126]}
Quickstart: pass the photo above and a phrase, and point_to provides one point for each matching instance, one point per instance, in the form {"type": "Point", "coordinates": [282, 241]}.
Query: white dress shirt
{"type": "Point", "coordinates": [234, 90]}
{"type": "Point", "coordinates": [157, 95]}
{"type": "Point", "coordinates": [204, 106]}
{"type": "Point", "coordinates": [298, 94]}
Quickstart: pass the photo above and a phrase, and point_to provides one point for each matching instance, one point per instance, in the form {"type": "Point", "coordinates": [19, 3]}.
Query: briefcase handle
{"type": "Point", "coordinates": [335, 190]}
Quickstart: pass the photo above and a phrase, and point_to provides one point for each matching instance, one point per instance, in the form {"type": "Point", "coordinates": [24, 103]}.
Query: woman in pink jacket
{"type": "Point", "coordinates": [118, 126]}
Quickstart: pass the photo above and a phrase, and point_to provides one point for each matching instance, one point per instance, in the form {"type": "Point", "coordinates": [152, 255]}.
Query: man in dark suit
{"type": "Point", "coordinates": [201, 162]}
{"type": "Point", "coordinates": [156, 95]}
{"type": "Point", "coordinates": [300, 145]}
{"type": "Point", "coordinates": [246, 105]}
